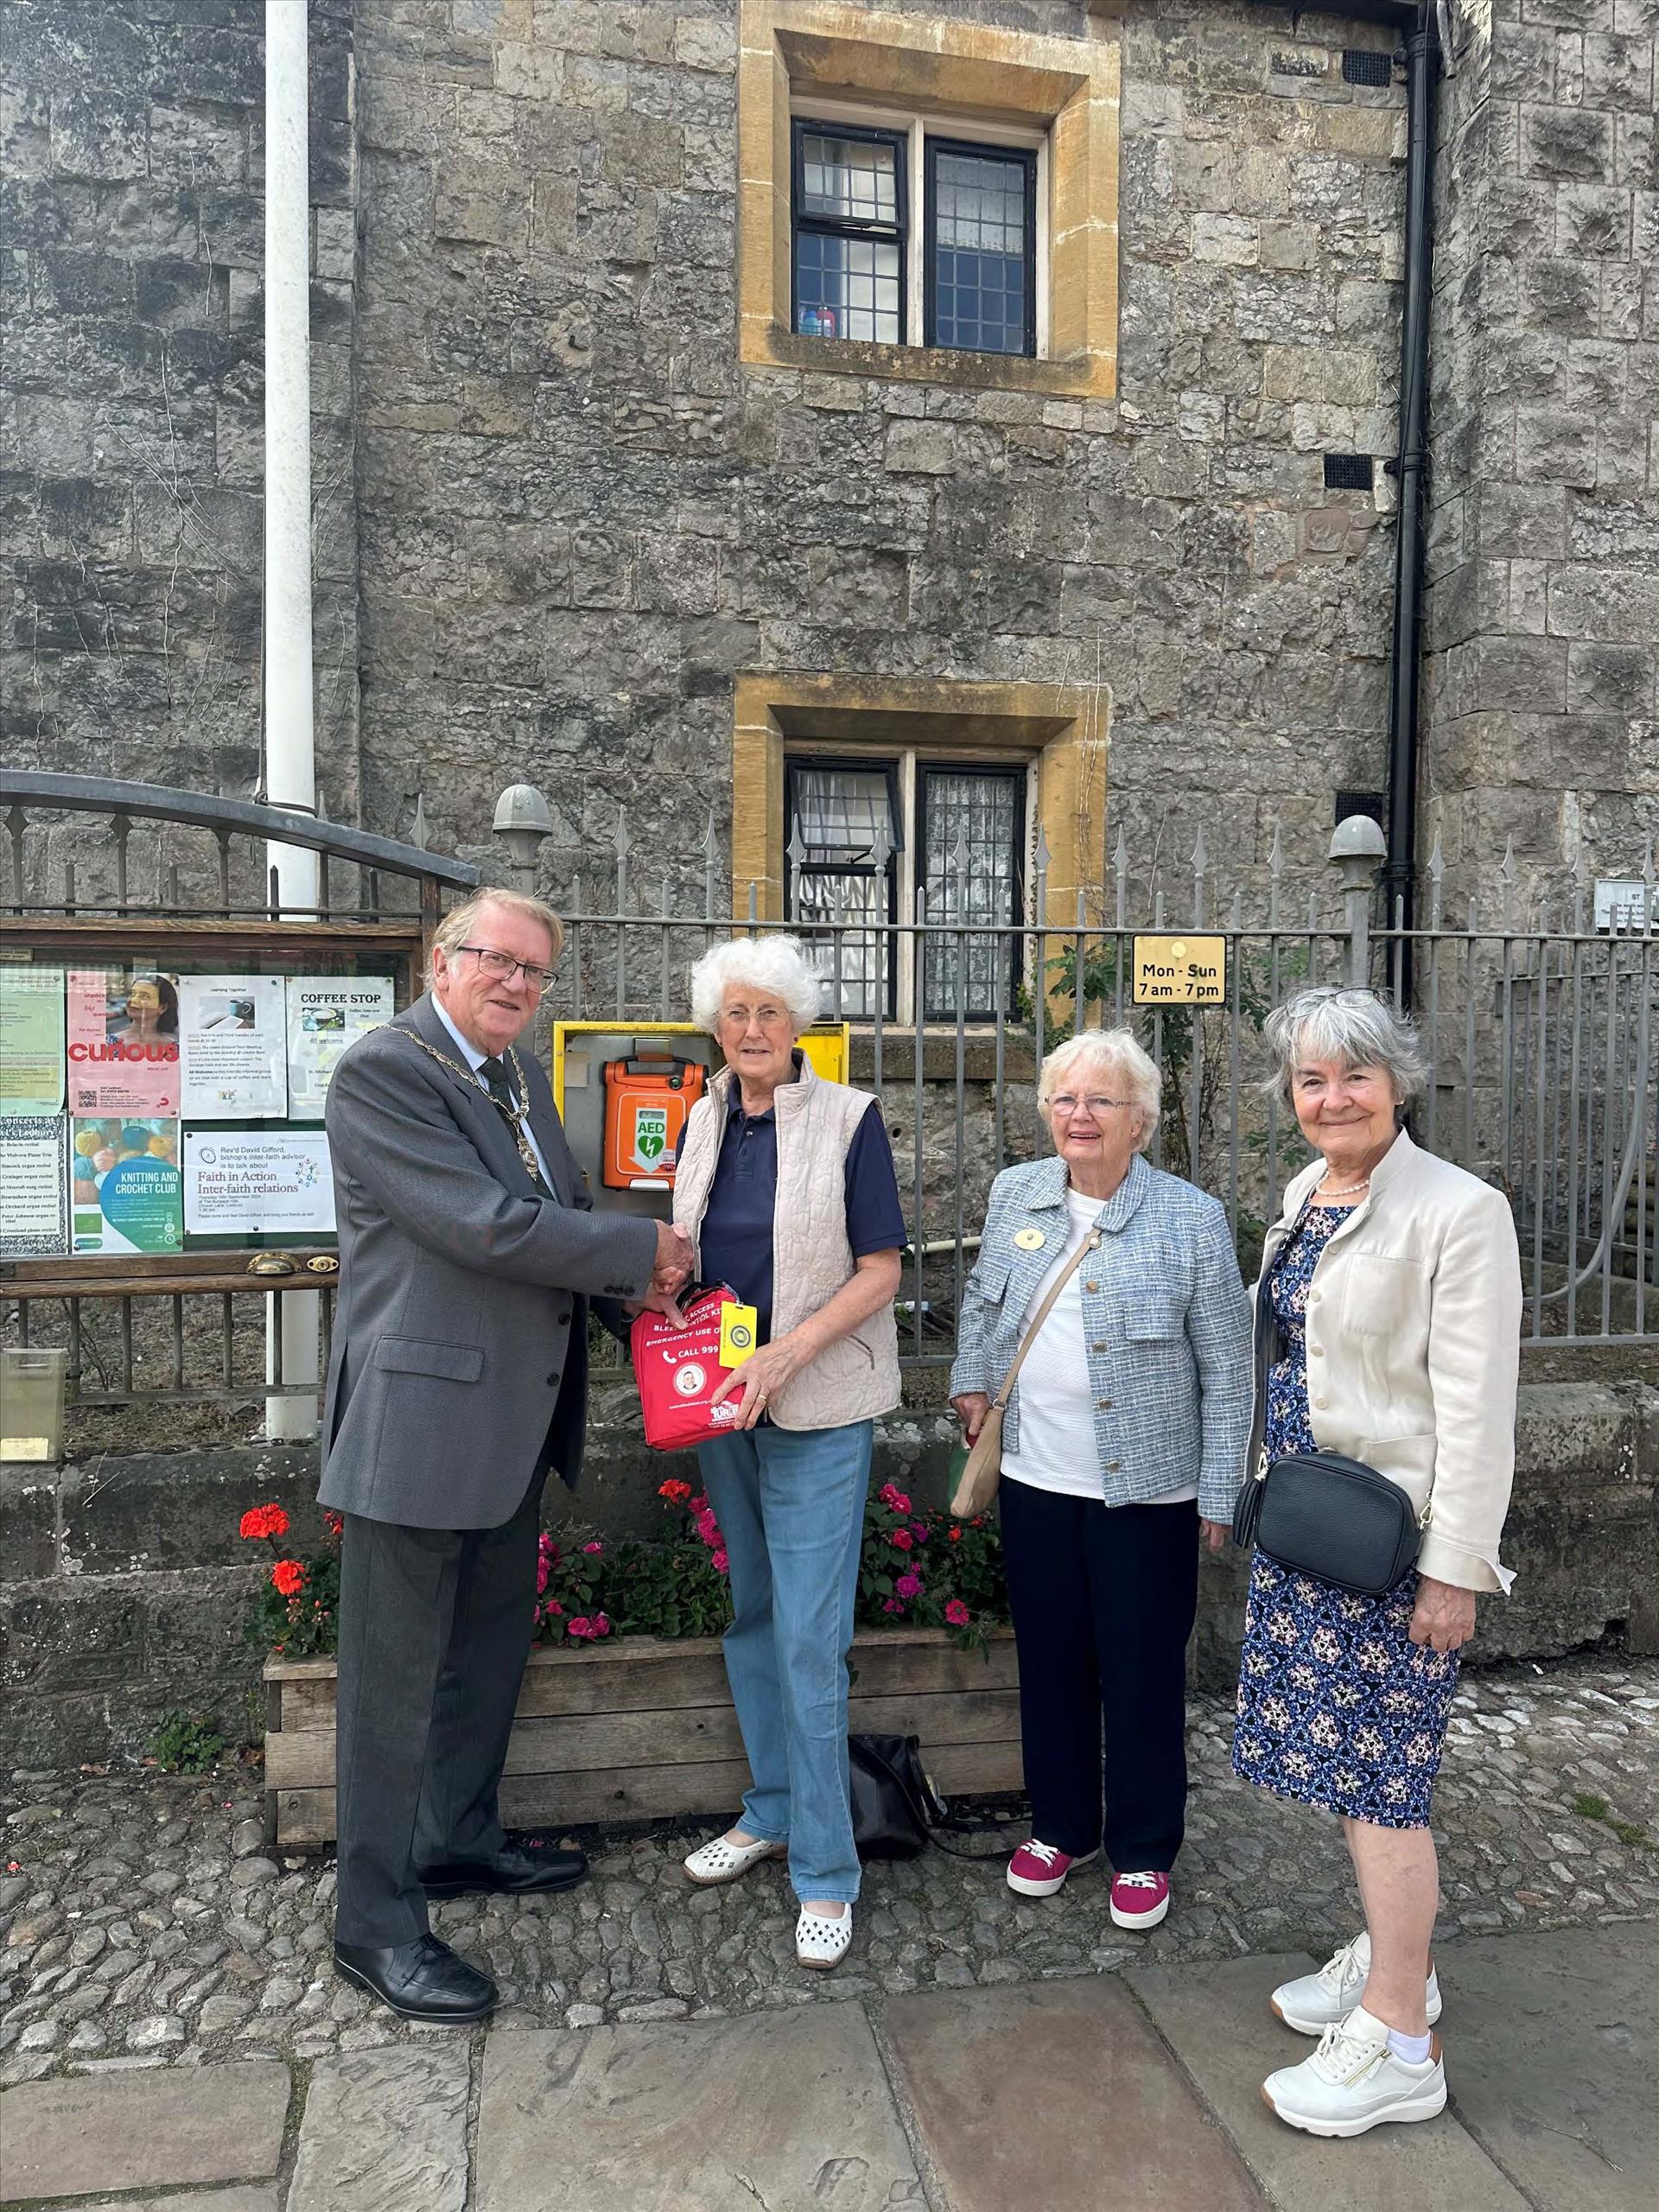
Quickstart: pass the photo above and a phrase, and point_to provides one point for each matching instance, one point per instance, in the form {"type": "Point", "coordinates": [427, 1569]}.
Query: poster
{"type": "Point", "coordinates": [31, 1039]}
{"type": "Point", "coordinates": [235, 1057]}
{"type": "Point", "coordinates": [34, 1189]}
{"type": "Point", "coordinates": [124, 1041]}
{"type": "Point", "coordinates": [124, 1187]}
{"type": "Point", "coordinates": [325, 1013]}
{"type": "Point", "coordinates": [256, 1182]}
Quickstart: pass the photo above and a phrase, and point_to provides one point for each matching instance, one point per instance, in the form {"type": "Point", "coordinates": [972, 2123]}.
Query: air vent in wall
{"type": "Point", "coordinates": [1362, 65]}
{"type": "Point", "coordinates": [1348, 472]}
{"type": "Point", "coordinates": [1371, 803]}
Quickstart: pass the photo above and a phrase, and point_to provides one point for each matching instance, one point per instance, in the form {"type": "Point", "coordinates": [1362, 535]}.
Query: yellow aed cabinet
{"type": "Point", "coordinates": [602, 1071]}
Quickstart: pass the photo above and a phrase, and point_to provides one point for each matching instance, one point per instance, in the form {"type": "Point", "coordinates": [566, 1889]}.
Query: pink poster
{"type": "Point", "coordinates": [123, 1041]}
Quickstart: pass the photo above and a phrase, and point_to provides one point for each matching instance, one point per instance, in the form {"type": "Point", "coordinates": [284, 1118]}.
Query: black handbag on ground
{"type": "Point", "coordinates": [895, 1804]}
{"type": "Point", "coordinates": [1330, 1518]}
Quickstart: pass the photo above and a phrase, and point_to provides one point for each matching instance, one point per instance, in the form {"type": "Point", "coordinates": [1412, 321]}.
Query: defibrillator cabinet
{"type": "Point", "coordinates": [647, 1099]}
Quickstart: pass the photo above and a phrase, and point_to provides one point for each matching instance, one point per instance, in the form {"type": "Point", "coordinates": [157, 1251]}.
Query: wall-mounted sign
{"type": "Point", "coordinates": [1619, 903]}
{"type": "Point", "coordinates": [1181, 971]}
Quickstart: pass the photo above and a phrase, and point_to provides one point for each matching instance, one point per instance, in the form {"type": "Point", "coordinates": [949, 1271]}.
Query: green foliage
{"type": "Point", "coordinates": [930, 1570]}
{"type": "Point", "coordinates": [186, 1744]}
{"type": "Point", "coordinates": [300, 1622]}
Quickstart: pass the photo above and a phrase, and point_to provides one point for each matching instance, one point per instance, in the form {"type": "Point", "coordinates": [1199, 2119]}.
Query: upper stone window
{"type": "Point", "coordinates": [905, 236]}
{"type": "Point", "coordinates": [926, 198]}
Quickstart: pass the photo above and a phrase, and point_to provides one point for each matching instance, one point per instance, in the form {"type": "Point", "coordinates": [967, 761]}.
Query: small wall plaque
{"type": "Point", "coordinates": [1180, 970]}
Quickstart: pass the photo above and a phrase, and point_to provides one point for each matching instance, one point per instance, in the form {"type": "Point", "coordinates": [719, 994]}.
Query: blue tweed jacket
{"type": "Point", "coordinates": [1167, 1320]}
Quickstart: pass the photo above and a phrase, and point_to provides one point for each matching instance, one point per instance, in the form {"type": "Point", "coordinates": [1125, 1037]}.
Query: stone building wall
{"type": "Point", "coordinates": [131, 244]}
{"type": "Point", "coordinates": [580, 516]}
{"type": "Point", "coordinates": [1544, 561]}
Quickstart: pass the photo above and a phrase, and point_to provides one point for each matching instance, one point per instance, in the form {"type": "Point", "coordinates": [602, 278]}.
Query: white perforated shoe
{"type": "Point", "coordinates": [822, 1943]}
{"type": "Point", "coordinates": [719, 1860]}
{"type": "Point", "coordinates": [1315, 2002]}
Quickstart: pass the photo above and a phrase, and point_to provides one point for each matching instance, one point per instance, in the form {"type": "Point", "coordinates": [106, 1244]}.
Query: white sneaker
{"type": "Point", "coordinates": [822, 1943]}
{"type": "Point", "coordinates": [1354, 2081]}
{"type": "Point", "coordinates": [724, 1861]}
{"type": "Point", "coordinates": [1315, 2002]}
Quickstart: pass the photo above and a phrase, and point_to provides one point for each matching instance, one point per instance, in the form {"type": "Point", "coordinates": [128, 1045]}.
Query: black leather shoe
{"type": "Point", "coordinates": [423, 1981]}
{"type": "Point", "coordinates": [512, 1873]}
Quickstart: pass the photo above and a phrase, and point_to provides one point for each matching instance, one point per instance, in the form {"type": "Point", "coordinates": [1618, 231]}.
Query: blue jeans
{"type": "Point", "coordinates": [790, 1507]}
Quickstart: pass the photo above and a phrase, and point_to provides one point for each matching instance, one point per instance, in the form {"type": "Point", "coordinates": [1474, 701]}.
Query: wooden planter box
{"type": "Point", "coordinates": [640, 1728]}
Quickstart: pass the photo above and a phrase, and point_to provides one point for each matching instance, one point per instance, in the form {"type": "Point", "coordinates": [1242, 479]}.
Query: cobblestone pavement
{"type": "Point", "coordinates": [143, 1922]}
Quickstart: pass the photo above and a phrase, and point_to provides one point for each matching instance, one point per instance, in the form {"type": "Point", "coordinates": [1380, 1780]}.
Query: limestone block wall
{"type": "Point", "coordinates": [132, 243]}
{"type": "Point", "coordinates": [1543, 610]}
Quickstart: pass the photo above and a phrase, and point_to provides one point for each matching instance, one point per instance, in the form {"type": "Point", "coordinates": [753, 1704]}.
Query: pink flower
{"type": "Point", "coordinates": [579, 1624]}
{"type": "Point", "coordinates": [891, 1605]}
{"type": "Point", "coordinates": [601, 1624]}
{"type": "Point", "coordinates": [543, 1568]}
{"type": "Point", "coordinates": [958, 1614]}
{"type": "Point", "coordinates": [903, 1540]}
{"type": "Point", "coordinates": [919, 1530]}
{"type": "Point", "coordinates": [555, 1610]}
{"type": "Point", "coordinates": [892, 1496]}
{"type": "Point", "coordinates": [591, 1549]}
{"type": "Point", "coordinates": [909, 1586]}
{"type": "Point", "coordinates": [722, 1562]}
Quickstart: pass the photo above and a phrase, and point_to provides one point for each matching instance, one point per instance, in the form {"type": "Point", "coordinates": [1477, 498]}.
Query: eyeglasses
{"type": "Point", "coordinates": [1066, 1105]}
{"type": "Point", "coordinates": [507, 969]}
{"type": "Point", "coordinates": [769, 1017]}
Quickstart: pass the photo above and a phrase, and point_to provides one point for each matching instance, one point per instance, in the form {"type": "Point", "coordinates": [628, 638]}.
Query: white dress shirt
{"type": "Point", "coordinates": [476, 1061]}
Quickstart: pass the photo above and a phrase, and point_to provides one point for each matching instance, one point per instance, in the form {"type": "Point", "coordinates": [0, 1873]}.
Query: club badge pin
{"type": "Point", "coordinates": [1030, 1239]}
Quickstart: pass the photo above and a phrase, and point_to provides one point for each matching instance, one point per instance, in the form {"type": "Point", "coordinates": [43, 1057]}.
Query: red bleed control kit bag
{"type": "Point", "coordinates": [678, 1371]}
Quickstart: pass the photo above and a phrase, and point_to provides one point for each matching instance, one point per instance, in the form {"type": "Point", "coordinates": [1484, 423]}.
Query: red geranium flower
{"type": "Point", "coordinates": [958, 1614]}
{"type": "Point", "coordinates": [289, 1577]}
{"type": "Point", "coordinates": [264, 1520]}
{"type": "Point", "coordinates": [676, 1492]}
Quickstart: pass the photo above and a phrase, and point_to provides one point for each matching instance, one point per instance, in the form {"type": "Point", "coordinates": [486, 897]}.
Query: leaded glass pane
{"type": "Point", "coordinates": [979, 252]}
{"type": "Point", "coordinates": [848, 179]}
{"type": "Point", "coordinates": [840, 813]}
{"type": "Point", "coordinates": [847, 288]}
{"type": "Point", "coordinates": [972, 874]}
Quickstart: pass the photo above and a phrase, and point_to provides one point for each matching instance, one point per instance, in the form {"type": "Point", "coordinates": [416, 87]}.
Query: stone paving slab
{"type": "Point", "coordinates": [1216, 2020]}
{"type": "Point", "coordinates": [211, 2200]}
{"type": "Point", "coordinates": [1550, 2061]}
{"type": "Point", "coordinates": [1057, 2095]}
{"type": "Point", "coordinates": [385, 2131]}
{"type": "Point", "coordinates": [154, 2129]}
{"type": "Point", "coordinates": [791, 2113]}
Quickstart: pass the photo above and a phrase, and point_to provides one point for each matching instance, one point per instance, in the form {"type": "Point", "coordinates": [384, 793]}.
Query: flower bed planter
{"type": "Point", "coordinates": [644, 1727]}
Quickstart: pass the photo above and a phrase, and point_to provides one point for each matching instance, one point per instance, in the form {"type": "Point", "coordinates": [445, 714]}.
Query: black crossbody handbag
{"type": "Point", "coordinates": [1333, 1517]}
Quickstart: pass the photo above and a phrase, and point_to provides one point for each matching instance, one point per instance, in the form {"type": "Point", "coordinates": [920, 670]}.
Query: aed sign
{"type": "Point", "coordinates": [1180, 970]}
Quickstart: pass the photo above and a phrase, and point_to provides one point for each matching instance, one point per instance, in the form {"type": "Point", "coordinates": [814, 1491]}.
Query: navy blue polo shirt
{"type": "Point", "coordinates": [737, 1238]}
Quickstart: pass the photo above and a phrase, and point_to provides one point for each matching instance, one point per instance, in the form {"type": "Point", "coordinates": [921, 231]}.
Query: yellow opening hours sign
{"type": "Point", "coordinates": [1184, 970]}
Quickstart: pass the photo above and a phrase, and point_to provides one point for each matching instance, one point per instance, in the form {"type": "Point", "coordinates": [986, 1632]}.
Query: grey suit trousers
{"type": "Point", "coordinates": [435, 1627]}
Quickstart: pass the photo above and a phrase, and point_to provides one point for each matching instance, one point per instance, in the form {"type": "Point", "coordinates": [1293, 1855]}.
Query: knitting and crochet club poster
{"type": "Point", "coordinates": [124, 1041]}
{"type": "Point", "coordinates": [124, 1184]}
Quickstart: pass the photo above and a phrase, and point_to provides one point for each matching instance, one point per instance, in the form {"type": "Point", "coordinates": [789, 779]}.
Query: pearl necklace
{"type": "Point", "coordinates": [1349, 1190]}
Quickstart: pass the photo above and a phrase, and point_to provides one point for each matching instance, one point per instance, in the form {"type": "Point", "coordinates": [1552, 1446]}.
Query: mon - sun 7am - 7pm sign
{"type": "Point", "coordinates": [1184, 970]}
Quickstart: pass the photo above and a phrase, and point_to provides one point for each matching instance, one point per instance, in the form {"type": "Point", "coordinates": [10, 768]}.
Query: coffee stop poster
{"type": "Point", "coordinates": [123, 1042]}
{"type": "Point", "coordinates": [325, 1014]}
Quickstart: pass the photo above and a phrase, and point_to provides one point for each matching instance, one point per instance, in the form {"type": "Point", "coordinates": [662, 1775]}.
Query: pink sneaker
{"type": "Point", "coordinates": [1139, 1900]}
{"type": "Point", "coordinates": [1037, 1870]}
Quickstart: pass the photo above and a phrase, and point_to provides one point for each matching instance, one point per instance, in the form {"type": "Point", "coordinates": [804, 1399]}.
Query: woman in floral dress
{"type": "Point", "coordinates": [1387, 1330]}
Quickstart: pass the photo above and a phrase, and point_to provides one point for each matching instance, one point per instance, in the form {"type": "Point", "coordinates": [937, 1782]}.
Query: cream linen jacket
{"type": "Point", "coordinates": [857, 1376]}
{"type": "Point", "coordinates": [1414, 1349]}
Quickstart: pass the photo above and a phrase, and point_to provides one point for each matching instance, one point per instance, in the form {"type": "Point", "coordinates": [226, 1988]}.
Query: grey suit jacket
{"type": "Point", "coordinates": [462, 1306]}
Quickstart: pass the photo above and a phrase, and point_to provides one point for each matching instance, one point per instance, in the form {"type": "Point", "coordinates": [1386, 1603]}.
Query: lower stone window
{"type": "Point", "coordinates": [863, 836]}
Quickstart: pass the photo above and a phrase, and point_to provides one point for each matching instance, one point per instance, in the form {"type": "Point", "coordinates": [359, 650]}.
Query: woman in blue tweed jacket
{"type": "Point", "coordinates": [1125, 1434]}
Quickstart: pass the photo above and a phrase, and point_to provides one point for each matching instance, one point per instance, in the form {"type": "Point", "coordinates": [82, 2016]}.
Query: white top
{"type": "Point", "coordinates": [476, 1061]}
{"type": "Point", "coordinates": [1057, 1406]}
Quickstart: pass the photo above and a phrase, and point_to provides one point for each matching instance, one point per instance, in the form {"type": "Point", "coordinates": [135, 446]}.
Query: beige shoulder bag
{"type": "Point", "coordinates": [983, 1469]}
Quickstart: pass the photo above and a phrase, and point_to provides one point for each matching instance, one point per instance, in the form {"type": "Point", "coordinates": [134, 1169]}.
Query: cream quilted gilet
{"type": "Point", "coordinates": [857, 1376]}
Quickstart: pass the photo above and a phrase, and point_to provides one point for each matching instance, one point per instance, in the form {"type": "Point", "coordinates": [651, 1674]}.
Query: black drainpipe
{"type": "Point", "coordinates": [1399, 873]}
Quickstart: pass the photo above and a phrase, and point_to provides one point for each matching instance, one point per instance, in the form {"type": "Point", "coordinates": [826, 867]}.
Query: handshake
{"type": "Point", "coordinates": [671, 1273]}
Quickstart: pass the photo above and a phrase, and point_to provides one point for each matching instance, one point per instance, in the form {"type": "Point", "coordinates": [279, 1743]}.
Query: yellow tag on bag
{"type": "Point", "coordinates": [739, 1327]}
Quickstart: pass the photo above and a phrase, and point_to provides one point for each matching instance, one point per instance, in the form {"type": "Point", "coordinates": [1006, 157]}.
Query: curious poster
{"type": "Point", "coordinates": [124, 1041]}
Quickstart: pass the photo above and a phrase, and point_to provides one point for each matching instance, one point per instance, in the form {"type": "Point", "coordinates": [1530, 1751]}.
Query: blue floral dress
{"type": "Point", "coordinates": [1337, 1705]}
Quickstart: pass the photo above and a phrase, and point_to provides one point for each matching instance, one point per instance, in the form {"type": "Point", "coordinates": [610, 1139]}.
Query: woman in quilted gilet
{"type": "Point", "coordinates": [786, 1184]}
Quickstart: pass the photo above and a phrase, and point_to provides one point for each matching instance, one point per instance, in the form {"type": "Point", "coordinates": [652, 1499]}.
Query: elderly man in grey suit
{"type": "Point", "coordinates": [458, 1378]}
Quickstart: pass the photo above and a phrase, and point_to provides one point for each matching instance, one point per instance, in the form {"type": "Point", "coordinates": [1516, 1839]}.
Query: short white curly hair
{"type": "Point", "coordinates": [1124, 1065]}
{"type": "Point", "coordinates": [777, 964]}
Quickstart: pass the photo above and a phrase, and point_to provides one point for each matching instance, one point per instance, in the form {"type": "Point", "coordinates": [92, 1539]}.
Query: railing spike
{"type": "Point", "coordinates": [796, 848]}
{"type": "Point", "coordinates": [1437, 861]}
{"type": "Point", "coordinates": [417, 835]}
{"type": "Point", "coordinates": [1043, 854]}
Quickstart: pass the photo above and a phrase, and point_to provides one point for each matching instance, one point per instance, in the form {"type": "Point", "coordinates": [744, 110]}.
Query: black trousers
{"type": "Point", "coordinates": [435, 1627]}
{"type": "Point", "coordinates": [1103, 1599]}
